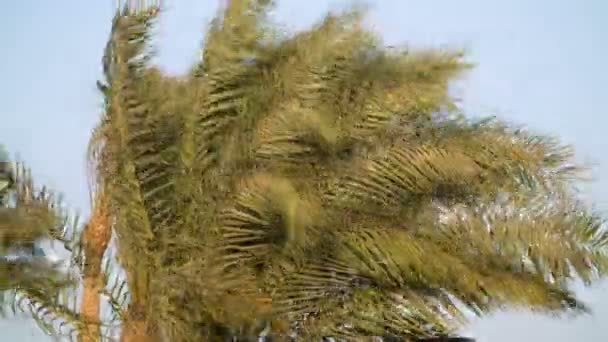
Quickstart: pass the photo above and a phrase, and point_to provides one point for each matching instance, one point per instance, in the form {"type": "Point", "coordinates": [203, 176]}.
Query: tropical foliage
{"type": "Point", "coordinates": [319, 184]}
{"type": "Point", "coordinates": [30, 282]}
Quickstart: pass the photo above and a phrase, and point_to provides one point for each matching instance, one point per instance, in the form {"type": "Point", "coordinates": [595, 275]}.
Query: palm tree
{"type": "Point", "coordinates": [30, 282]}
{"type": "Point", "coordinates": [318, 184]}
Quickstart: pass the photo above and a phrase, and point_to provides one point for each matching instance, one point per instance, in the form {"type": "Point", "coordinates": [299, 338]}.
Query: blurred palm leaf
{"type": "Point", "coordinates": [30, 282]}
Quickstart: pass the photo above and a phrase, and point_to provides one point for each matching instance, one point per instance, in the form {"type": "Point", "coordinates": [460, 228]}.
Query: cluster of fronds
{"type": "Point", "coordinates": [30, 282]}
{"type": "Point", "coordinates": [305, 186]}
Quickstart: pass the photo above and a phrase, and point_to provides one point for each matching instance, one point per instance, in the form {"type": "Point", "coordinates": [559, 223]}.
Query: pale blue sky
{"type": "Point", "coordinates": [539, 64]}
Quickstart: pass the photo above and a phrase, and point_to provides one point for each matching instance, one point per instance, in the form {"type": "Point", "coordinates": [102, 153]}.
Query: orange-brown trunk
{"type": "Point", "coordinates": [89, 309]}
{"type": "Point", "coordinates": [96, 236]}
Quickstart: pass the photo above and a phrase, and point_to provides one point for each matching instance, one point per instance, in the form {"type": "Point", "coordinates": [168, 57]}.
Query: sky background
{"type": "Point", "coordinates": [540, 63]}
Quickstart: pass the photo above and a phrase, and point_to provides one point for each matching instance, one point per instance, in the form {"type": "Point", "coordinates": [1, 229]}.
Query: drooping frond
{"type": "Point", "coordinates": [397, 176]}
{"type": "Point", "coordinates": [558, 241]}
{"type": "Point", "coordinates": [402, 260]}
{"type": "Point", "coordinates": [370, 313]}
{"type": "Point", "coordinates": [514, 160]}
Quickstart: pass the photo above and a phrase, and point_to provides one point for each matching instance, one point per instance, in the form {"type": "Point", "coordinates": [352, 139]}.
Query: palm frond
{"type": "Point", "coordinates": [398, 175]}
{"type": "Point", "coordinates": [31, 283]}
{"type": "Point", "coordinates": [397, 258]}
{"type": "Point", "coordinates": [232, 69]}
{"type": "Point", "coordinates": [268, 216]}
{"type": "Point", "coordinates": [373, 313]}
{"type": "Point", "coordinates": [296, 135]}
{"type": "Point", "coordinates": [514, 159]}
{"type": "Point", "coordinates": [560, 241]}
{"type": "Point", "coordinates": [116, 291]}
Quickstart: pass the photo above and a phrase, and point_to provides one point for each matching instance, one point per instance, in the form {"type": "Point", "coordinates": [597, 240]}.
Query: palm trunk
{"type": "Point", "coordinates": [89, 308]}
{"type": "Point", "coordinates": [96, 237]}
{"type": "Point", "coordinates": [134, 325]}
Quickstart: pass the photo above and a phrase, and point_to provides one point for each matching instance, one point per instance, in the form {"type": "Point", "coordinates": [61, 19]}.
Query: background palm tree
{"type": "Point", "coordinates": [29, 216]}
